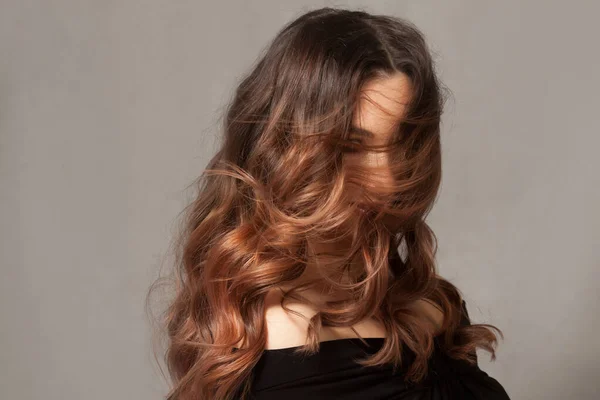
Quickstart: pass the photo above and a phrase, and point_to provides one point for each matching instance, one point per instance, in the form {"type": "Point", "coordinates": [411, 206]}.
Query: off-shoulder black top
{"type": "Point", "coordinates": [332, 373]}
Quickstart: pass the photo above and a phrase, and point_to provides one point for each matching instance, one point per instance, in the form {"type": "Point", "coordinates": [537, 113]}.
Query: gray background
{"type": "Point", "coordinates": [108, 109]}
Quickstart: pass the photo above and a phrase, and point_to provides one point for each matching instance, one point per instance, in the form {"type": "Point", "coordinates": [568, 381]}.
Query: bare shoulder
{"type": "Point", "coordinates": [287, 329]}
{"type": "Point", "coordinates": [284, 328]}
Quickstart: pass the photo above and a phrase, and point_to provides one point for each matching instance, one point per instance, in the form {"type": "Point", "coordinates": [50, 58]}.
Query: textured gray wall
{"type": "Point", "coordinates": [108, 109]}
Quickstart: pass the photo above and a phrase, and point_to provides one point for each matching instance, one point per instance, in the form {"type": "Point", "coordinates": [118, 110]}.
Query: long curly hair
{"type": "Point", "coordinates": [280, 183]}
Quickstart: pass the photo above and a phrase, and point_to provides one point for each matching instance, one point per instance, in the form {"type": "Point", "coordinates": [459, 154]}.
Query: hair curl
{"type": "Point", "coordinates": [279, 184]}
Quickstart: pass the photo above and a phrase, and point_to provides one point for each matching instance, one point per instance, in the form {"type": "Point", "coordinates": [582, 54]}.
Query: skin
{"type": "Point", "coordinates": [382, 106]}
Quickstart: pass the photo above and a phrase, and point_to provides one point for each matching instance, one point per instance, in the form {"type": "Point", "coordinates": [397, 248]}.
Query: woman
{"type": "Point", "coordinates": [305, 268]}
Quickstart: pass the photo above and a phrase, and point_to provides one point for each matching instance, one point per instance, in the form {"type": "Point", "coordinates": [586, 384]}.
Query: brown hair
{"type": "Point", "coordinates": [279, 183]}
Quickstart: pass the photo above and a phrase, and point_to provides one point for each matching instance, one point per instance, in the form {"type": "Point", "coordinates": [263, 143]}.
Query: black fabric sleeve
{"type": "Point", "coordinates": [456, 379]}
{"type": "Point", "coordinates": [465, 320]}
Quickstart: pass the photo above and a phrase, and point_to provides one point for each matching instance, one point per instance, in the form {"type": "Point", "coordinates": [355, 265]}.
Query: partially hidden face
{"type": "Point", "coordinates": [381, 108]}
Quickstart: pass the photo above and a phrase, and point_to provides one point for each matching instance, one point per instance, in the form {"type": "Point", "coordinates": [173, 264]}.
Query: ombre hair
{"type": "Point", "coordinates": [280, 183]}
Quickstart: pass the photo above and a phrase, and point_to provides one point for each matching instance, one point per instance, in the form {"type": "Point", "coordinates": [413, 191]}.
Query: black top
{"type": "Point", "coordinates": [332, 373]}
